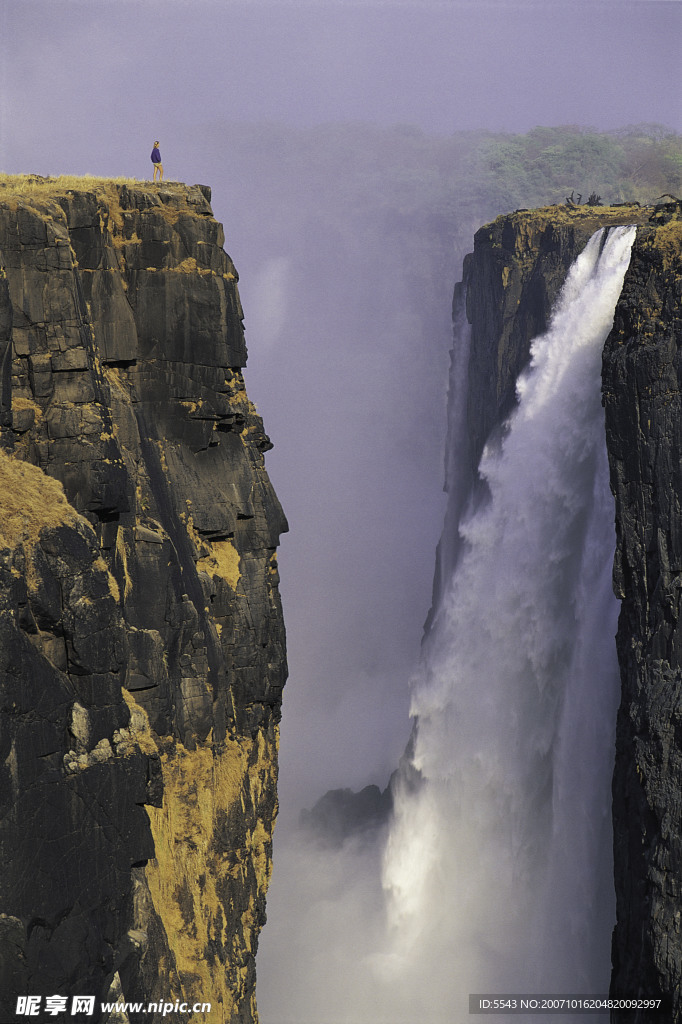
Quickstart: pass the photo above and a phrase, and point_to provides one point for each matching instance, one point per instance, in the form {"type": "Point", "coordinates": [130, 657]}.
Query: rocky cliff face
{"type": "Point", "coordinates": [641, 380]}
{"type": "Point", "coordinates": [511, 279]}
{"type": "Point", "coordinates": [142, 643]}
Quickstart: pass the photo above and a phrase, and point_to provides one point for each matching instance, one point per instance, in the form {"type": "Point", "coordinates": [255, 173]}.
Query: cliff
{"type": "Point", "coordinates": [142, 639]}
{"type": "Point", "coordinates": [511, 279]}
{"type": "Point", "coordinates": [641, 386]}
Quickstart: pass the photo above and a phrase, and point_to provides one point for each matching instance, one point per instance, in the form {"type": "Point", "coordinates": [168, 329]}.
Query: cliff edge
{"type": "Point", "coordinates": [142, 644]}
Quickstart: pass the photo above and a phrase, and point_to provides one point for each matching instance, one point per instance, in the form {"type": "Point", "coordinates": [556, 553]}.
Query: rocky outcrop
{"type": "Point", "coordinates": [142, 639]}
{"type": "Point", "coordinates": [510, 281]}
{"type": "Point", "coordinates": [340, 814]}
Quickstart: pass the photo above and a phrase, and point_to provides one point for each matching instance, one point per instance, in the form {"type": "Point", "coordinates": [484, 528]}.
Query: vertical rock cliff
{"type": "Point", "coordinates": [517, 267]}
{"type": "Point", "coordinates": [142, 642]}
{"type": "Point", "coordinates": [642, 375]}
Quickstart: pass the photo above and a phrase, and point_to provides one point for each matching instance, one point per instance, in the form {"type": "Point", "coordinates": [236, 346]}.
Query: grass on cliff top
{"type": "Point", "coordinates": [35, 183]}
{"type": "Point", "coordinates": [30, 502]}
{"type": "Point", "coordinates": [668, 240]}
{"type": "Point", "coordinates": [584, 215]}
{"type": "Point", "coordinates": [562, 212]}
{"type": "Point", "coordinates": [32, 185]}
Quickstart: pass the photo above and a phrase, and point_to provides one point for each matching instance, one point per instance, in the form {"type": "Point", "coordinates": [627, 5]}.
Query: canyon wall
{"type": "Point", "coordinates": [641, 387]}
{"type": "Point", "coordinates": [511, 279]}
{"type": "Point", "coordinates": [142, 644]}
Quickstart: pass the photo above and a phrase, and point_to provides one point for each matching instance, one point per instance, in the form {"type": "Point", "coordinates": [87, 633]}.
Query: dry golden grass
{"type": "Point", "coordinates": [39, 192]}
{"type": "Point", "coordinates": [30, 502]}
{"type": "Point", "coordinates": [561, 214]}
{"type": "Point", "coordinates": [223, 562]}
{"type": "Point", "coordinates": [191, 864]}
{"type": "Point", "coordinates": [15, 187]}
{"type": "Point", "coordinates": [139, 726]}
{"type": "Point", "coordinates": [668, 239]}
{"type": "Point", "coordinates": [30, 184]}
{"type": "Point", "coordinates": [190, 266]}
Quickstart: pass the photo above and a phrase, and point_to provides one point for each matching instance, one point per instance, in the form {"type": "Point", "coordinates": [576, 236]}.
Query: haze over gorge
{"type": "Point", "coordinates": [496, 870]}
{"type": "Point", "coordinates": [142, 633]}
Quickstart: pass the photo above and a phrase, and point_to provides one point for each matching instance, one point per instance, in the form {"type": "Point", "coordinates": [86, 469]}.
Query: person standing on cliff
{"type": "Point", "coordinates": [156, 160]}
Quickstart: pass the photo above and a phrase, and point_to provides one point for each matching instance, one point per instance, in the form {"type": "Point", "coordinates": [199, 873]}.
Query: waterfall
{"type": "Point", "coordinates": [498, 865]}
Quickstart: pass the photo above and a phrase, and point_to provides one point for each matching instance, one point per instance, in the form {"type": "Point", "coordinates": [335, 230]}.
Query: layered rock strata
{"type": "Point", "coordinates": [511, 279]}
{"type": "Point", "coordinates": [142, 638]}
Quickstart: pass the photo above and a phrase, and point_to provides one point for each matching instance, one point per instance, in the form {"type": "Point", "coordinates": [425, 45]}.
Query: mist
{"type": "Point", "coordinates": [345, 143]}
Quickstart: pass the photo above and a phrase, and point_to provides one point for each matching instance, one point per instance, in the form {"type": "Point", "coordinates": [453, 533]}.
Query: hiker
{"type": "Point", "coordinates": [156, 160]}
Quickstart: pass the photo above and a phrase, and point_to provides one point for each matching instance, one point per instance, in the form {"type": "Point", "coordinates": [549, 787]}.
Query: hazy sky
{"type": "Point", "coordinates": [85, 84]}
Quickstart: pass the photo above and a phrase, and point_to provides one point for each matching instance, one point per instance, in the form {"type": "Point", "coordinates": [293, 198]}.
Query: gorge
{"type": "Point", "coordinates": [143, 645]}
{"type": "Point", "coordinates": [515, 706]}
{"type": "Point", "coordinates": [378, 957]}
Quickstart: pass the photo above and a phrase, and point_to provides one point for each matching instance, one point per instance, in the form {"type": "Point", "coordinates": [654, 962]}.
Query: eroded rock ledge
{"type": "Point", "coordinates": [142, 642]}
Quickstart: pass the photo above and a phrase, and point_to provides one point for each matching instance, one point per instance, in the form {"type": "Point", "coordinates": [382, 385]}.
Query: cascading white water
{"type": "Point", "coordinates": [498, 865]}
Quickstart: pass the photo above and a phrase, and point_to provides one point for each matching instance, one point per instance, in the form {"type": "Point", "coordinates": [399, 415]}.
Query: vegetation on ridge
{"type": "Point", "coordinates": [423, 195]}
{"type": "Point", "coordinates": [32, 183]}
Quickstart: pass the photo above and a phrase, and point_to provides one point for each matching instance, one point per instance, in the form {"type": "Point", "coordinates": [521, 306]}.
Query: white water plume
{"type": "Point", "coordinates": [498, 866]}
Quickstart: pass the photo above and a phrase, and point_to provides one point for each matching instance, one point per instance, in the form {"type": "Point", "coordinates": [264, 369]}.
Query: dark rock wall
{"type": "Point", "coordinates": [142, 638]}
{"type": "Point", "coordinates": [516, 270]}
{"type": "Point", "coordinates": [642, 375]}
